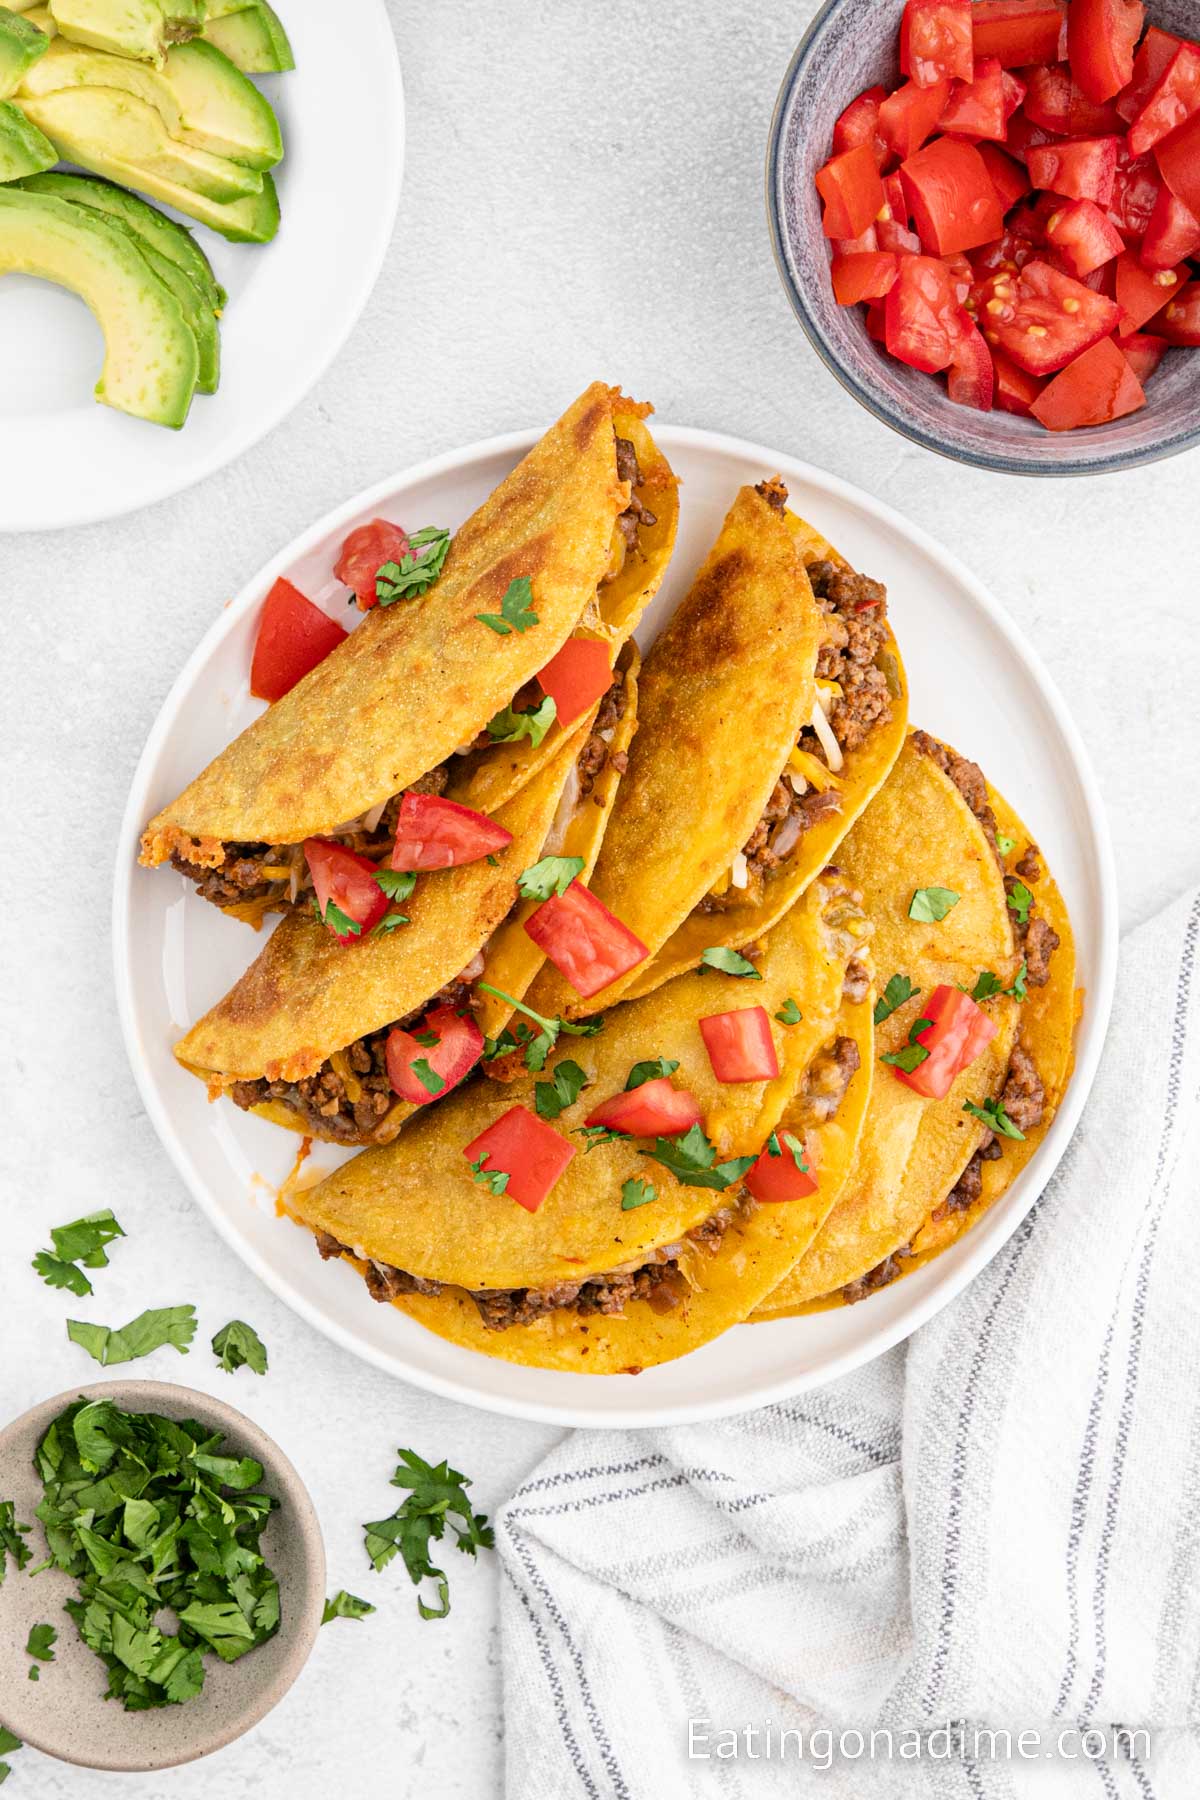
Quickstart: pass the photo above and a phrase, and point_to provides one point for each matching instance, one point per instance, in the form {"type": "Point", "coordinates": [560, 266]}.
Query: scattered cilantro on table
{"type": "Point", "coordinates": [84, 1242]}
{"type": "Point", "coordinates": [152, 1330]}
{"type": "Point", "coordinates": [237, 1345]}
{"type": "Point", "coordinates": [345, 1606]}
{"type": "Point", "coordinates": [437, 1498]}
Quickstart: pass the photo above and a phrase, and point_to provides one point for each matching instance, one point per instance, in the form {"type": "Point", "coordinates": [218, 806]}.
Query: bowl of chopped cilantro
{"type": "Point", "coordinates": [162, 1576]}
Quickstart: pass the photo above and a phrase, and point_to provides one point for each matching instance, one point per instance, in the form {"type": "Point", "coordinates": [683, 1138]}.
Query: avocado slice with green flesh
{"type": "Point", "coordinates": [21, 44]}
{"type": "Point", "coordinates": [23, 148]}
{"type": "Point", "coordinates": [252, 37]}
{"type": "Point", "coordinates": [143, 29]}
{"type": "Point", "coordinates": [251, 221]}
{"type": "Point", "coordinates": [196, 311]}
{"type": "Point", "coordinates": [165, 236]}
{"type": "Point", "coordinates": [107, 131]}
{"type": "Point", "coordinates": [150, 356]}
{"type": "Point", "coordinates": [202, 99]}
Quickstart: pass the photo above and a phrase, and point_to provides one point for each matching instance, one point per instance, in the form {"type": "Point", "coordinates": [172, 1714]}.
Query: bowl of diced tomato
{"type": "Point", "coordinates": [986, 214]}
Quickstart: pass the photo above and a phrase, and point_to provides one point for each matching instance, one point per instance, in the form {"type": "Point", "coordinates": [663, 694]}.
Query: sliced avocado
{"type": "Point", "coordinates": [23, 149]}
{"type": "Point", "coordinates": [143, 29]}
{"type": "Point", "coordinates": [251, 36]}
{"type": "Point", "coordinates": [21, 44]}
{"type": "Point", "coordinates": [150, 356]}
{"type": "Point", "coordinates": [202, 99]}
{"type": "Point", "coordinates": [195, 309]}
{"type": "Point", "coordinates": [251, 221]}
{"type": "Point", "coordinates": [165, 236]}
{"type": "Point", "coordinates": [109, 131]}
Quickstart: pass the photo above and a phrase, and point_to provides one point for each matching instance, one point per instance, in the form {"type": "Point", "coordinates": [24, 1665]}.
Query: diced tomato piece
{"type": "Point", "coordinates": [1089, 118]}
{"type": "Point", "coordinates": [951, 197]}
{"type": "Point", "coordinates": [526, 1149]}
{"type": "Point", "coordinates": [1048, 98]}
{"type": "Point", "coordinates": [363, 554]}
{"type": "Point", "coordinates": [957, 1034]}
{"type": "Point", "coordinates": [1179, 321]}
{"type": "Point", "coordinates": [1101, 35]}
{"type": "Point", "coordinates": [1141, 293]}
{"type": "Point", "coordinates": [1014, 92]}
{"type": "Point", "coordinates": [1102, 280]}
{"type": "Point", "coordinates": [1050, 320]}
{"type": "Point", "coordinates": [576, 677]}
{"type": "Point", "coordinates": [1098, 386]}
{"type": "Point", "coordinates": [1136, 188]}
{"type": "Point", "coordinates": [1178, 159]}
{"type": "Point", "coordinates": [894, 198]}
{"type": "Point", "coordinates": [858, 246]}
{"type": "Point", "coordinates": [859, 124]}
{"type": "Point", "coordinates": [293, 637]}
{"type": "Point", "coordinates": [1143, 352]}
{"type": "Point", "coordinates": [1006, 176]}
{"type": "Point", "coordinates": [1023, 136]}
{"type": "Point", "coordinates": [1174, 98]}
{"type": "Point", "coordinates": [1082, 169]}
{"type": "Point", "coordinates": [458, 1048]}
{"type": "Point", "coordinates": [740, 1045]}
{"type": "Point", "coordinates": [936, 40]}
{"type": "Point", "coordinates": [1149, 65]}
{"type": "Point", "coordinates": [778, 1176]}
{"type": "Point", "coordinates": [962, 275]}
{"type": "Point", "coordinates": [865, 277]}
{"type": "Point", "coordinates": [432, 833]}
{"type": "Point", "coordinates": [907, 117]}
{"type": "Point", "coordinates": [347, 880]}
{"type": "Point", "coordinates": [1018, 32]}
{"type": "Point", "coordinates": [970, 379]}
{"type": "Point", "coordinates": [587, 944]}
{"type": "Point", "coordinates": [1172, 235]}
{"type": "Point", "coordinates": [922, 315]}
{"type": "Point", "coordinates": [1007, 255]}
{"type": "Point", "coordinates": [1083, 237]}
{"type": "Point", "coordinates": [1015, 390]}
{"type": "Point", "coordinates": [655, 1109]}
{"type": "Point", "coordinates": [877, 322]}
{"type": "Point", "coordinates": [898, 240]}
{"type": "Point", "coordinates": [850, 186]}
{"type": "Point", "coordinates": [976, 108]}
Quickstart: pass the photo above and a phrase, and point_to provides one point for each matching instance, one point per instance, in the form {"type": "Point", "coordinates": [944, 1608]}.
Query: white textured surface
{"type": "Point", "coordinates": [583, 197]}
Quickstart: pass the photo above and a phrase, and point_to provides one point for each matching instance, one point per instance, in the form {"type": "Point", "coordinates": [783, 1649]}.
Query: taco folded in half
{"type": "Point", "coordinates": [772, 707]}
{"type": "Point", "coordinates": [465, 690]}
{"type": "Point", "coordinates": [646, 1183]}
{"type": "Point", "coordinates": [929, 1166]}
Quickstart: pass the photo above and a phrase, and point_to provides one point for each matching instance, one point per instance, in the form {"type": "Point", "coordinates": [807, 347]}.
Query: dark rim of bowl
{"type": "Point", "coordinates": [1014, 464]}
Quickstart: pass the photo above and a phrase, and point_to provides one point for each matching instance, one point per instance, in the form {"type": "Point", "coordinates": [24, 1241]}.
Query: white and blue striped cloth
{"type": "Point", "coordinates": [996, 1525]}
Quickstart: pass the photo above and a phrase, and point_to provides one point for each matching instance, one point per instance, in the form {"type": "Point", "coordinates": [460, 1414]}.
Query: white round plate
{"type": "Point", "coordinates": [974, 681]}
{"type": "Point", "coordinates": [67, 460]}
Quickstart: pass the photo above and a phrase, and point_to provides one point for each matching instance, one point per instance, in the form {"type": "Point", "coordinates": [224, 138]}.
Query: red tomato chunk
{"type": "Point", "coordinates": [576, 677]}
{"type": "Point", "coordinates": [1179, 321]}
{"type": "Point", "coordinates": [293, 637]}
{"type": "Point", "coordinates": [1178, 158]}
{"type": "Point", "coordinates": [958, 1032]}
{"type": "Point", "coordinates": [587, 944]}
{"type": "Point", "coordinates": [1175, 98]}
{"type": "Point", "coordinates": [531, 1153]}
{"type": "Point", "coordinates": [1083, 237]}
{"type": "Point", "coordinates": [1098, 386]}
{"type": "Point", "coordinates": [1143, 352]}
{"type": "Point", "coordinates": [740, 1045]}
{"type": "Point", "coordinates": [851, 188]}
{"type": "Point", "coordinates": [979, 108]}
{"type": "Point", "coordinates": [1101, 35]}
{"type": "Point", "coordinates": [1083, 169]}
{"type": "Point", "coordinates": [936, 41]}
{"type": "Point", "coordinates": [432, 833]}
{"type": "Point", "coordinates": [866, 276]}
{"type": "Point", "coordinates": [921, 314]}
{"type": "Point", "coordinates": [1143, 292]}
{"type": "Point", "coordinates": [345, 879]}
{"type": "Point", "coordinates": [1018, 32]}
{"type": "Point", "coordinates": [655, 1109]}
{"type": "Point", "coordinates": [1172, 235]}
{"type": "Point", "coordinates": [859, 124]}
{"type": "Point", "coordinates": [363, 554]}
{"type": "Point", "coordinates": [445, 1063]}
{"type": "Point", "coordinates": [1049, 319]}
{"type": "Point", "coordinates": [907, 117]}
{"type": "Point", "coordinates": [778, 1176]}
{"type": "Point", "coordinates": [951, 198]}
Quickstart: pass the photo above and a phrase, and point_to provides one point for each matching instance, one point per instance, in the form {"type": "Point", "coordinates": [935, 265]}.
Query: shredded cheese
{"type": "Point", "coordinates": [739, 874]}
{"type": "Point", "coordinates": [275, 872]}
{"type": "Point", "coordinates": [341, 1066]}
{"type": "Point", "coordinates": [811, 768]}
{"type": "Point", "coordinates": [830, 745]}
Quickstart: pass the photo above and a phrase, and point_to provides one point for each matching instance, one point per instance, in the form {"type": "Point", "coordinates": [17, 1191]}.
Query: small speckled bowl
{"type": "Point", "coordinates": [63, 1712]}
{"type": "Point", "coordinates": [851, 45]}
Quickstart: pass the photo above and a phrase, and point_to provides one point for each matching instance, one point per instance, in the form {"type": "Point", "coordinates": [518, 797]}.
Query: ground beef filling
{"type": "Point", "coordinates": [660, 1280]}
{"type": "Point", "coordinates": [636, 515]}
{"type": "Point", "coordinates": [597, 750]}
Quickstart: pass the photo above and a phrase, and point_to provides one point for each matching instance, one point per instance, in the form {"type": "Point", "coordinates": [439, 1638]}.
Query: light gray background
{"type": "Point", "coordinates": [583, 197]}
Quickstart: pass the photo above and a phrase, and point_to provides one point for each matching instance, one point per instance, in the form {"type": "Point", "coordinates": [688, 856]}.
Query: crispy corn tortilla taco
{"type": "Point", "coordinates": [406, 701]}
{"type": "Point", "coordinates": [548, 1287]}
{"type": "Point", "coordinates": [927, 1169]}
{"type": "Point", "coordinates": [768, 718]}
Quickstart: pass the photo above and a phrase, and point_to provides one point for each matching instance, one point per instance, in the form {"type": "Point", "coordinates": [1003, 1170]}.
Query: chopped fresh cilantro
{"type": "Point", "coordinates": [12, 1536]}
{"type": "Point", "coordinates": [413, 574]}
{"type": "Point", "coordinates": [987, 985]}
{"type": "Point", "coordinates": [389, 923]}
{"type": "Point", "coordinates": [437, 1498]}
{"type": "Point", "coordinates": [599, 1134]}
{"type": "Point", "coordinates": [83, 1241]}
{"type": "Point", "coordinates": [237, 1346]}
{"type": "Point", "coordinates": [345, 1606]}
{"type": "Point", "coordinates": [339, 922]}
{"type": "Point", "coordinates": [552, 1098]}
{"type": "Point", "coordinates": [731, 962]}
{"type": "Point", "coordinates": [509, 725]}
{"type": "Point", "coordinates": [397, 884]}
{"type": "Point", "coordinates": [537, 1047]}
{"type": "Point", "coordinates": [1020, 900]}
{"type": "Point", "coordinates": [913, 1054]}
{"type": "Point", "coordinates": [636, 1193]}
{"type": "Point", "coordinates": [930, 905]}
{"type": "Point", "coordinates": [428, 1039]}
{"type": "Point", "coordinates": [41, 1642]}
{"type": "Point", "coordinates": [1005, 844]}
{"type": "Point", "coordinates": [427, 1075]}
{"type": "Point", "coordinates": [516, 610]}
{"type": "Point", "coordinates": [693, 1161]}
{"type": "Point", "coordinates": [1018, 990]}
{"type": "Point", "coordinates": [789, 1013]}
{"type": "Point", "coordinates": [993, 1115]}
{"type": "Point", "coordinates": [553, 875]}
{"type": "Point", "coordinates": [649, 1071]}
{"type": "Point", "coordinates": [796, 1148]}
{"type": "Point", "coordinates": [492, 861]}
{"type": "Point", "coordinates": [174, 1325]}
{"type": "Point", "coordinates": [495, 1180]}
{"type": "Point", "coordinates": [898, 990]}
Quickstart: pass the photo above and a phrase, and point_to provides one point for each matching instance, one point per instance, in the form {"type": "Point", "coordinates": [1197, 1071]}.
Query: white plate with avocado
{"type": "Point", "coordinates": [189, 228]}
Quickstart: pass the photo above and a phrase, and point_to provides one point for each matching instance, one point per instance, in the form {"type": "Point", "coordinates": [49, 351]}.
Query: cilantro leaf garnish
{"type": "Point", "coordinates": [553, 875]}
{"type": "Point", "coordinates": [397, 884]}
{"type": "Point", "coordinates": [731, 962]}
{"type": "Point", "coordinates": [345, 1606]}
{"type": "Point", "coordinates": [649, 1071]}
{"type": "Point", "coordinates": [437, 1498]}
{"type": "Point", "coordinates": [693, 1161]}
{"type": "Point", "coordinates": [898, 990]}
{"type": "Point", "coordinates": [237, 1346]}
{"type": "Point", "coordinates": [989, 984]}
{"type": "Point", "coordinates": [993, 1115]}
{"type": "Point", "coordinates": [390, 922]}
{"type": "Point", "coordinates": [338, 922]}
{"type": "Point", "coordinates": [1018, 990]}
{"type": "Point", "coordinates": [152, 1330]}
{"type": "Point", "coordinates": [930, 905]}
{"type": "Point", "coordinates": [516, 610]}
{"type": "Point", "coordinates": [427, 1075]}
{"type": "Point", "coordinates": [1020, 900]}
{"type": "Point", "coordinates": [552, 1098]}
{"type": "Point", "coordinates": [1005, 844]}
{"type": "Point", "coordinates": [12, 1539]}
{"type": "Point", "coordinates": [635, 1192]}
{"type": "Point", "coordinates": [537, 1047]}
{"type": "Point", "coordinates": [413, 574]}
{"type": "Point", "coordinates": [913, 1054]}
{"type": "Point", "coordinates": [600, 1134]}
{"type": "Point", "coordinates": [428, 1039]}
{"type": "Point", "coordinates": [495, 1180]}
{"type": "Point", "coordinates": [509, 725]}
{"type": "Point", "coordinates": [789, 1013]}
{"type": "Point", "coordinates": [83, 1241]}
{"type": "Point", "coordinates": [795, 1147]}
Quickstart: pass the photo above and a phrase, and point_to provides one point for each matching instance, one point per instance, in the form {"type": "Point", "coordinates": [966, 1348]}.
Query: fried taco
{"type": "Point", "coordinates": [772, 707]}
{"type": "Point", "coordinates": [464, 691]}
{"type": "Point", "coordinates": [646, 1182]}
{"type": "Point", "coordinates": [991, 941]}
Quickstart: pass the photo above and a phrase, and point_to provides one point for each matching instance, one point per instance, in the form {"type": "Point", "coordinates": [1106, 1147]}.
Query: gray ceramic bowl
{"type": "Point", "coordinates": [851, 45]}
{"type": "Point", "coordinates": [63, 1713]}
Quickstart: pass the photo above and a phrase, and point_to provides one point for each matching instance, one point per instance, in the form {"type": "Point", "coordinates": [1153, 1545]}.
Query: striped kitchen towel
{"type": "Point", "coordinates": [875, 1588]}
